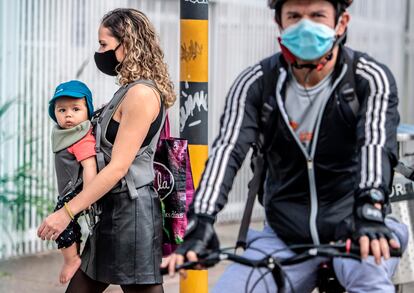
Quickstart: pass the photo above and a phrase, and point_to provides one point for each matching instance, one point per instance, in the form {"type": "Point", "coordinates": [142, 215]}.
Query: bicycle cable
{"type": "Point", "coordinates": [285, 276]}
{"type": "Point", "coordinates": [256, 268]}
{"type": "Point", "coordinates": [262, 277]}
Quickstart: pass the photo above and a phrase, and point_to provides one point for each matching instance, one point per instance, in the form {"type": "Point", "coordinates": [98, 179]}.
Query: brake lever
{"type": "Point", "coordinates": [332, 252]}
{"type": "Point", "coordinates": [298, 258]}
{"type": "Point", "coordinates": [319, 251]}
{"type": "Point", "coordinates": [210, 259]}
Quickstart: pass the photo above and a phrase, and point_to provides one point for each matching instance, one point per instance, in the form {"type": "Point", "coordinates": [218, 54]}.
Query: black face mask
{"type": "Point", "coordinates": [107, 62]}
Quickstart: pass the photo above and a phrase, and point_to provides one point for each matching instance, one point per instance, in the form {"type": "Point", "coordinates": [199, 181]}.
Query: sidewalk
{"type": "Point", "coordinates": [39, 273]}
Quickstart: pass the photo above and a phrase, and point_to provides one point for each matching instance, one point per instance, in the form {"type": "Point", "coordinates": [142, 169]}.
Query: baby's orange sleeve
{"type": "Point", "coordinates": [85, 148]}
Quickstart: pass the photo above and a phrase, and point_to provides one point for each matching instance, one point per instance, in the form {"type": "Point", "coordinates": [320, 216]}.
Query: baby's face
{"type": "Point", "coordinates": [70, 112]}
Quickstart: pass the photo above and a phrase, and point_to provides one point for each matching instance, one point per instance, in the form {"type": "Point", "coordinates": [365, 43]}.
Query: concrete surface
{"type": "Point", "coordinates": [39, 273]}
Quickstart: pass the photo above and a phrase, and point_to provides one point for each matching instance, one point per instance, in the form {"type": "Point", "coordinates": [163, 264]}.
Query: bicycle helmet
{"type": "Point", "coordinates": [340, 5]}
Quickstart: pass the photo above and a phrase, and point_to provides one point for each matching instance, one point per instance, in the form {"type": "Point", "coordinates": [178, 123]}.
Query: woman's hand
{"type": "Point", "coordinates": [53, 225]}
{"type": "Point", "coordinates": [175, 259]}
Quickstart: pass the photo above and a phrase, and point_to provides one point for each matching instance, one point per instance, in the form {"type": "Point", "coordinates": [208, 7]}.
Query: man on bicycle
{"type": "Point", "coordinates": [330, 151]}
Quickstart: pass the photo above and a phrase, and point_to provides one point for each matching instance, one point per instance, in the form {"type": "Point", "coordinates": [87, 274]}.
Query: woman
{"type": "Point", "coordinates": [125, 246]}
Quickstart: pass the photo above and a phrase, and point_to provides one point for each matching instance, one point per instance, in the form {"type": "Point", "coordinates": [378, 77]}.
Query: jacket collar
{"type": "Point", "coordinates": [345, 56]}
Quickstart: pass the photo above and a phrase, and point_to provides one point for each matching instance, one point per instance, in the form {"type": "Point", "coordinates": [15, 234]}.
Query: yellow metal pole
{"type": "Point", "coordinates": [193, 104]}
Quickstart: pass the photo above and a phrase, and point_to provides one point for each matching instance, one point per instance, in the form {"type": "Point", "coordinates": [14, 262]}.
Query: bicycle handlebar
{"type": "Point", "coordinates": [304, 252]}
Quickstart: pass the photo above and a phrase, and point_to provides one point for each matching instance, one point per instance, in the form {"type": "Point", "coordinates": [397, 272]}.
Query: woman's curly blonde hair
{"type": "Point", "coordinates": [144, 58]}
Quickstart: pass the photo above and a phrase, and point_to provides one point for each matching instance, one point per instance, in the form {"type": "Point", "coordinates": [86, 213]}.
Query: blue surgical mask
{"type": "Point", "coordinates": [308, 40]}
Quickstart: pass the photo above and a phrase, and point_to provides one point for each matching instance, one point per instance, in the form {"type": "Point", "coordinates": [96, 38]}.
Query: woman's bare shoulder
{"type": "Point", "coordinates": [142, 93]}
{"type": "Point", "coordinates": [141, 97]}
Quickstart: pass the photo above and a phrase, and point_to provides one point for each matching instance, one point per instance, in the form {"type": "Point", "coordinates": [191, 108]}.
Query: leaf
{"type": "Point", "coordinates": [6, 106]}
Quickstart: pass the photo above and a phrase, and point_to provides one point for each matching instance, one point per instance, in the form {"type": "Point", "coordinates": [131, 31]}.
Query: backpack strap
{"type": "Point", "coordinates": [268, 115]}
{"type": "Point", "coordinates": [270, 67]}
{"type": "Point", "coordinates": [258, 163]}
{"type": "Point", "coordinates": [347, 91]}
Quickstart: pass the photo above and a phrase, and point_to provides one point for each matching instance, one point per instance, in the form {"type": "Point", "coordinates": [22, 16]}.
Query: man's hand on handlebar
{"type": "Point", "coordinates": [199, 238]}
{"type": "Point", "coordinates": [370, 230]}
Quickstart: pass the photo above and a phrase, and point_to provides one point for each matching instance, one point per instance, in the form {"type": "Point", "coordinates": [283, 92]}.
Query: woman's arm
{"type": "Point", "coordinates": [138, 110]}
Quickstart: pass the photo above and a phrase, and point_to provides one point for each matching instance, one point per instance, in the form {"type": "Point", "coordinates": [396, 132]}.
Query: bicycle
{"type": "Point", "coordinates": [327, 282]}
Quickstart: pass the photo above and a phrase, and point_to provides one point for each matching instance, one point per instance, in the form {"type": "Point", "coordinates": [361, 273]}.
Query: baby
{"type": "Point", "coordinates": [74, 147]}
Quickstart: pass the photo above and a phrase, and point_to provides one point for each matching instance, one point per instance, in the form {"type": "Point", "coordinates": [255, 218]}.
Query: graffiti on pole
{"type": "Point", "coordinates": [194, 111]}
{"type": "Point", "coordinates": [191, 51]}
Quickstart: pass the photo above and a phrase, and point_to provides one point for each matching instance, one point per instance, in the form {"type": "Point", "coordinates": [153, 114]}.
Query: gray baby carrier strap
{"type": "Point", "coordinates": [68, 173]}
{"type": "Point", "coordinates": [141, 171]}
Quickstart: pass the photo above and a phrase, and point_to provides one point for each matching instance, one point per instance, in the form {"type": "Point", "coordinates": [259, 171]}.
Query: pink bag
{"type": "Point", "coordinates": [174, 183]}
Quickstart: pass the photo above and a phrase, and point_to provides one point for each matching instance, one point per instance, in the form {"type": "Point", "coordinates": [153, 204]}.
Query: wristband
{"type": "Point", "coordinates": [68, 211]}
{"type": "Point", "coordinates": [372, 196]}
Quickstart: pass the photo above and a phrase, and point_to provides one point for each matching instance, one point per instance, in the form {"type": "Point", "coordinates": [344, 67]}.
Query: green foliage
{"type": "Point", "coordinates": [3, 110]}
{"type": "Point", "coordinates": [21, 190]}
{"type": "Point", "coordinates": [4, 274]}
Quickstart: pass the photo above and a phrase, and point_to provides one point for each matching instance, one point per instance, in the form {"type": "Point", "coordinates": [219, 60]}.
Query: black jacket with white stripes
{"type": "Point", "coordinates": [308, 195]}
